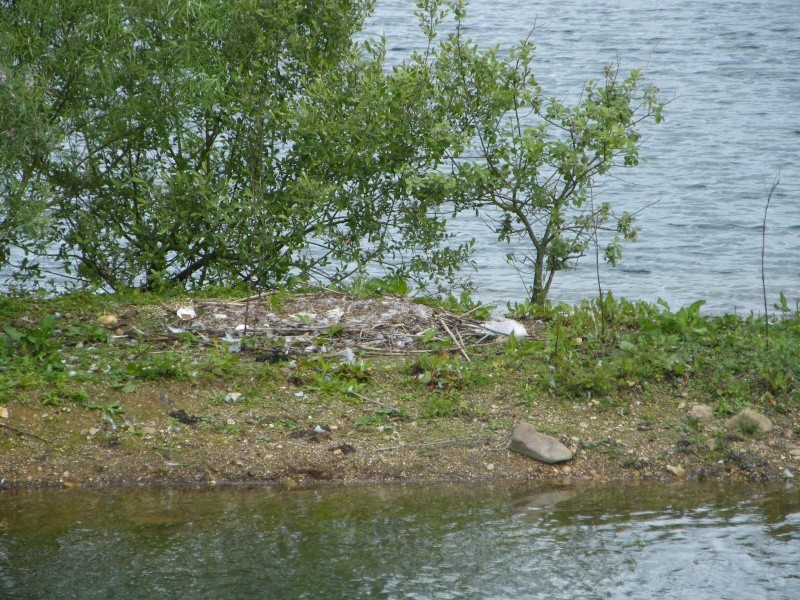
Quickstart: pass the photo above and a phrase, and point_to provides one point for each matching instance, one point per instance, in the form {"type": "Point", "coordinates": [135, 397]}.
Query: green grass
{"type": "Point", "coordinates": [616, 352]}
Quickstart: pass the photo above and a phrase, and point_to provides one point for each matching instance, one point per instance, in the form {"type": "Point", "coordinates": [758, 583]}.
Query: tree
{"type": "Point", "coordinates": [533, 160]}
{"type": "Point", "coordinates": [196, 142]}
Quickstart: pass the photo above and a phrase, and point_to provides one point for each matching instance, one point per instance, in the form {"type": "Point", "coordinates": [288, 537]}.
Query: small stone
{"type": "Point", "coordinates": [65, 474]}
{"type": "Point", "coordinates": [230, 422]}
{"type": "Point", "coordinates": [702, 411]}
{"type": "Point", "coordinates": [749, 417]}
{"type": "Point", "coordinates": [677, 471]}
{"type": "Point", "coordinates": [233, 397]}
{"type": "Point", "coordinates": [712, 444]}
{"type": "Point", "coordinates": [490, 467]}
{"type": "Point", "coordinates": [3, 412]}
{"type": "Point", "coordinates": [93, 431]}
{"type": "Point", "coordinates": [337, 451]}
{"type": "Point", "coordinates": [108, 320]}
{"type": "Point", "coordinates": [527, 441]}
{"type": "Point", "coordinates": [787, 474]}
{"type": "Point", "coordinates": [149, 430]}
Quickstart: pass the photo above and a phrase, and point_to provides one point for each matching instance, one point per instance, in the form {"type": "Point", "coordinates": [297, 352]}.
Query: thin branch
{"type": "Point", "coordinates": [26, 433]}
{"type": "Point", "coordinates": [371, 401]}
{"type": "Point", "coordinates": [763, 253]}
{"type": "Point", "coordinates": [455, 341]}
{"type": "Point", "coordinates": [447, 442]}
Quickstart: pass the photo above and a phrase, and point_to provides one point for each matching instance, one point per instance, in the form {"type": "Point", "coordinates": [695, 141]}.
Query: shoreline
{"type": "Point", "coordinates": [108, 396]}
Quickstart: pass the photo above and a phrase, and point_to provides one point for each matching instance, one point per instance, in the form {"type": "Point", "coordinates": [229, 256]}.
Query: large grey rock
{"type": "Point", "coordinates": [749, 417]}
{"type": "Point", "coordinates": [526, 440]}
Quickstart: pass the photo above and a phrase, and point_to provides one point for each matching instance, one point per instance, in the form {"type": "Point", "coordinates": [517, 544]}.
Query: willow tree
{"type": "Point", "coordinates": [195, 141]}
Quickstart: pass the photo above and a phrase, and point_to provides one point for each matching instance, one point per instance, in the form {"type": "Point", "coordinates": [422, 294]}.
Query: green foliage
{"type": "Point", "coordinates": [442, 372]}
{"type": "Point", "coordinates": [158, 365]}
{"type": "Point", "coordinates": [460, 305]}
{"type": "Point", "coordinates": [189, 143]}
{"type": "Point", "coordinates": [442, 405]}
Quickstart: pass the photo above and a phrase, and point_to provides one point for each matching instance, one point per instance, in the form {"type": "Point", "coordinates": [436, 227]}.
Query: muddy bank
{"type": "Point", "coordinates": [166, 445]}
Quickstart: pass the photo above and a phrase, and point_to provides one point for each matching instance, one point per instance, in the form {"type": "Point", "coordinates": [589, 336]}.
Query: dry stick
{"type": "Point", "coordinates": [763, 251]}
{"type": "Point", "coordinates": [240, 300]}
{"type": "Point", "coordinates": [459, 346]}
{"type": "Point", "coordinates": [448, 442]}
{"type": "Point", "coordinates": [370, 400]}
{"type": "Point", "coordinates": [21, 432]}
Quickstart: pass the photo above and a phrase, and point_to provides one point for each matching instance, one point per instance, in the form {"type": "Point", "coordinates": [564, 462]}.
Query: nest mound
{"type": "Point", "coordinates": [388, 324]}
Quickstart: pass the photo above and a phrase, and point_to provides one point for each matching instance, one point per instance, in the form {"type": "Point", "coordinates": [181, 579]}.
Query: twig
{"type": "Point", "coordinates": [21, 432]}
{"type": "Point", "coordinates": [448, 442]}
{"type": "Point", "coordinates": [371, 401]}
{"type": "Point", "coordinates": [248, 299]}
{"type": "Point", "coordinates": [763, 251]}
{"type": "Point", "coordinates": [458, 345]}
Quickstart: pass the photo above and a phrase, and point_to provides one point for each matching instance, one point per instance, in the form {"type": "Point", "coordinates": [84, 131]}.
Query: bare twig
{"type": "Point", "coordinates": [29, 434]}
{"type": "Point", "coordinates": [455, 341]}
{"type": "Point", "coordinates": [447, 442]}
{"type": "Point", "coordinates": [371, 401]}
{"type": "Point", "coordinates": [763, 252]}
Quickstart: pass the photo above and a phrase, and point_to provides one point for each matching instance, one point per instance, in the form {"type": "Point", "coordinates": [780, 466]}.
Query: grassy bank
{"type": "Point", "coordinates": [118, 389]}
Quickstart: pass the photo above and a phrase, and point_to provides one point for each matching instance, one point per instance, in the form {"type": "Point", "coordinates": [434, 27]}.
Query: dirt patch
{"type": "Point", "coordinates": [208, 444]}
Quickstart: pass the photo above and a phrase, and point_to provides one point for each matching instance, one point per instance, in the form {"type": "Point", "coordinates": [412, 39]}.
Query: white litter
{"type": "Point", "coordinates": [348, 356]}
{"type": "Point", "coordinates": [506, 327]}
{"type": "Point", "coordinates": [186, 313]}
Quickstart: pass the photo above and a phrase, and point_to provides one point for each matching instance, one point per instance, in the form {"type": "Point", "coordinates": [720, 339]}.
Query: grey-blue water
{"type": "Point", "coordinates": [405, 541]}
{"type": "Point", "coordinates": [732, 71]}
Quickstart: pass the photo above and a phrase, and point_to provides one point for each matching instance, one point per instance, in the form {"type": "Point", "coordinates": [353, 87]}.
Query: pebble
{"type": "Point", "coordinates": [490, 467]}
{"type": "Point", "coordinates": [678, 471]}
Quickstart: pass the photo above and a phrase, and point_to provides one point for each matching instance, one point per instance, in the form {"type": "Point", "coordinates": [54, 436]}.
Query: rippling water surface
{"type": "Point", "coordinates": [731, 71]}
{"type": "Point", "coordinates": [404, 541]}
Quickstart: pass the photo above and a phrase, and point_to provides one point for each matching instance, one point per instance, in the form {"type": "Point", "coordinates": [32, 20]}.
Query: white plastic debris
{"type": "Point", "coordinates": [320, 429]}
{"type": "Point", "coordinates": [186, 313]}
{"type": "Point", "coordinates": [348, 356]}
{"type": "Point", "coordinates": [175, 329]}
{"type": "Point", "coordinates": [506, 327]}
{"type": "Point", "coordinates": [233, 397]}
{"type": "Point", "coordinates": [334, 315]}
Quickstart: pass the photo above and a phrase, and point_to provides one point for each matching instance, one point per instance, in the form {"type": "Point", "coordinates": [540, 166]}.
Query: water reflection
{"type": "Point", "coordinates": [409, 541]}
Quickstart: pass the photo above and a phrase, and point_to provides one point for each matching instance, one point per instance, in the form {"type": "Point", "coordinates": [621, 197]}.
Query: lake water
{"type": "Point", "coordinates": [404, 541]}
{"type": "Point", "coordinates": [731, 71]}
